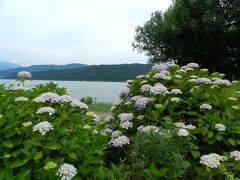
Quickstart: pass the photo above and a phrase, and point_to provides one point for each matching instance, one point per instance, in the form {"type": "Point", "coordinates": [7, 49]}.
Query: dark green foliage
{"type": "Point", "coordinates": [203, 31]}
{"type": "Point", "coordinates": [88, 100]}
{"type": "Point", "coordinates": [157, 156]}
{"type": "Point", "coordinates": [94, 73]}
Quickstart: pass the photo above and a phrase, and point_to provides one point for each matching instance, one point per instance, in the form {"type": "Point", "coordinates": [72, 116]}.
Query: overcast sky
{"type": "Point", "coordinates": [73, 31]}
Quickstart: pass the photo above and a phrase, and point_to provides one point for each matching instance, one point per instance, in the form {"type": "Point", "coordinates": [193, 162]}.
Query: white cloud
{"type": "Point", "coordinates": [65, 31]}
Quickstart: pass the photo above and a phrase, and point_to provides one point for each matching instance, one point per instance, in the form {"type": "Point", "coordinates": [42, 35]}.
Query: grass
{"type": "Point", "coordinates": [102, 109]}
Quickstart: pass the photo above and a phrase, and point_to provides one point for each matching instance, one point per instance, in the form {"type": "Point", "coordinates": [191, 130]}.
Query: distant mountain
{"type": "Point", "coordinates": [37, 68]}
{"type": "Point", "coordinates": [120, 72]}
{"type": "Point", "coordinates": [7, 65]}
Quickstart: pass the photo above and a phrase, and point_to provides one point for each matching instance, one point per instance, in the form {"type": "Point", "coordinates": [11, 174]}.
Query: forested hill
{"type": "Point", "coordinates": [39, 68]}
{"type": "Point", "coordinates": [120, 72]}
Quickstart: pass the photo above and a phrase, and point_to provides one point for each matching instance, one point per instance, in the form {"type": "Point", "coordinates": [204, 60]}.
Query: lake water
{"type": "Point", "coordinates": [103, 91]}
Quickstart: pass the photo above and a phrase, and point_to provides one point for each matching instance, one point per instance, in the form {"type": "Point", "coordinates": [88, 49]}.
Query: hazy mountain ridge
{"type": "Point", "coordinates": [39, 68]}
{"type": "Point", "coordinates": [120, 72]}
{"type": "Point", "coordinates": [7, 65]}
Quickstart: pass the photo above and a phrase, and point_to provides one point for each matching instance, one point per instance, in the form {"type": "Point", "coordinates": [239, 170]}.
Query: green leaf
{"type": "Point", "coordinates": [23, 174]}
{"type": "Point", "coordinates": [8, 143]}
{"type": "Point", "coordinates": [53, 146]}
{"type": "Point", "coordinates": [195, 154]}
{"type": "Point", "coordinates": [38, 155]}
{"type": "Point", "coordinates": [210, 134]}
{"type": "Point", "coordinates": [232, 141]}
{"type": "Point", "coordinates": [219, 137]}
{"type": "Point", "coordinates": [73, 155]}
{"type": "Point", "coordinates": [18, 163]}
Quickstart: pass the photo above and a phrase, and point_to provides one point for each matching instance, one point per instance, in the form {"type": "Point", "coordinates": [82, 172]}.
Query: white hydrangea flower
{"type": "Point", "coordinates": [126, 125]}
{"type": "Point", "coordinates": [140, 77]}
{"type": "Point", "coordinates": [183, 132]}
{"type": "Point", "coordinates": [194, 77]}
{"type": "Point", "coordinates": [142, 102]}
{"type": "Point", "coordinates": [48, 110]}
{"type": "Point", "coordinates": [178, 76]}
{"type": "Point", "coordinates": [66, 171]}
{"type": "Point", "coordinates": [189, 69]}
{"type": "Point", "coordinates": [161, 76]}
{"type": "Point", "coordinates": [192, 65]}
{"type": "Point", "coordinates": [125, 91]}
{"type": "Point", "coordinates": [120, 141]}
{"type": "Point", "coordinates": [39, 99]}
{"type": "Point", "coordinates": [192, 80]}
{"type": "Point", "coordinates": [27, 124]}
{"type": "Point", "coordinates": [206, 106]}
{"type": "Point", "coordinates": [43, 127]}
{"type": "Point", "coordinates": [135, 98]}
{"type": "Point", "coordinates": [109, 118]}
{"type": "Point", "coordinates": [125, 117]}
{"type": "Point", "coordinates": [150, 129]}
{"type": "Point", "coordinates": [130, 81]}
{"type": "Point", "coordinates": [140, 128]}
{"type": "Point", "coordinates": [203, 81]}
{"type": "Point", "coordinates": [179, 125]}
{"type": "Point", "coordinates": [108, 131]}
{"type": "Point", "coordinates": [16, 88]}
{"type": "Point", "coordinates": [159, 67]}
{"type": "Point", "coordinates": [220, 127]}
{"type": "Point", "coordinates": [174, 99]}
{"type": "Point", "coordinates": [116, 134]}
{"type": "Point", "coordinates": [79, 104]}
{"type": "Point", "coordinates": [182, 71]}
{"type": "Point", "coordinates": [145, 88]}
{"type": "Point", "coordinates": [21, 99]}
{"type": "Point", "coordinates": [176, 91]}
{"type": "Point", "coordinates": [235, 155]}
{"type": "Point", "coordinates": [48, 97]}
{"type": "Point", "coordinates": [66, 99]}
{"type": "Point", "coordinates": [211, 160]}
{"type": "Point", "coordinates": [96, 118]}
{"type": "Point", "coordinates": [190, 126]}
{"type": "Point", "coordinates": [222, 82]}
{"type": "Point", "coordinates": [159, 90]}
{"type": "Point", "coordinates": [24, 75]}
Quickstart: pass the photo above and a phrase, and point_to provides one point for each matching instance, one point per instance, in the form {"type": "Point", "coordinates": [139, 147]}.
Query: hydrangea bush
{"type": "Point", "coordinates": [180, 104]}
{"type": "Point", "coordinates": [46, 134]}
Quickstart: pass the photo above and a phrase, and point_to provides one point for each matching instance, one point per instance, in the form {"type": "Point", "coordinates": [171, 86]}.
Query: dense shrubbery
{"type": "Point", "coordinates": [181, 123]}
{"type": "Point", "coordinates": [172, 123]}
{"type": "Point", "coordinates": [46, 134]}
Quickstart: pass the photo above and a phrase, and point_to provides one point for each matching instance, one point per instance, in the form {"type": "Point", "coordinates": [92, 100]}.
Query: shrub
{"type": "Point", "coordinates": [43, 132]}
{"type": "Point", "coordinates": [201, 108]}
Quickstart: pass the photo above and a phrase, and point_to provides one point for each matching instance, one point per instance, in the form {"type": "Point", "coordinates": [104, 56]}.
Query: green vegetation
{"type": "Point", "coordinates": [203, 31]}
{"type": "Point", "coordinates": [183, 123]}
{"type": "Point", "coordinates": [120, 72]}
{"type": "Point", "coordinates": [100, 107]}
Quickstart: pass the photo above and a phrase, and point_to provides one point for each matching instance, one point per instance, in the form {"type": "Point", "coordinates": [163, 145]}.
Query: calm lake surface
{"type": "Point", "coordinates": [103, 91]}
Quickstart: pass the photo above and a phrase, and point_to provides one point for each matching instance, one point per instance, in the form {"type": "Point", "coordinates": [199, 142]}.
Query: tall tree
{"type": "Point", "coordinates": [202, 31]}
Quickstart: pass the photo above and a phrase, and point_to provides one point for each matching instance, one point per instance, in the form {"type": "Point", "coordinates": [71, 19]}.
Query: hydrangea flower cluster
{"type": "Point", "coordinates": [220, 127]}
{"type": "Point", "coordinates": [235, 155]}
{"type": "Point", "coordinates": [48, 110]}
{"type": "Point", "coordinates": [148, 129]}
{"type": "Point", "coordinates": [119, 141]}
{"type": "Point", "coordinates": [125, 91]}
{"type": "Point", "coordinates": [77, 103]}
{"type": "Point", "coordinates": [141, 102]}
{"type": "Point", "coordinates": [48, 97]}
{"type": "Point", "coordinates": [66, 171]}
{"type": "Point", "coordinates": [159, 90]}
{"type": "Point", "coordinates": [206, 106]}
{"type": "Point", "coordinates": [43, 127]}
{"type": "Point", "coordinates": [24, 75]}
{"type": "Point", "coordinates": [21, 99]}
{"type": "Point", "coordinates": [125, 120]}
{"type": "Point", "coordinates": [211, 160]}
